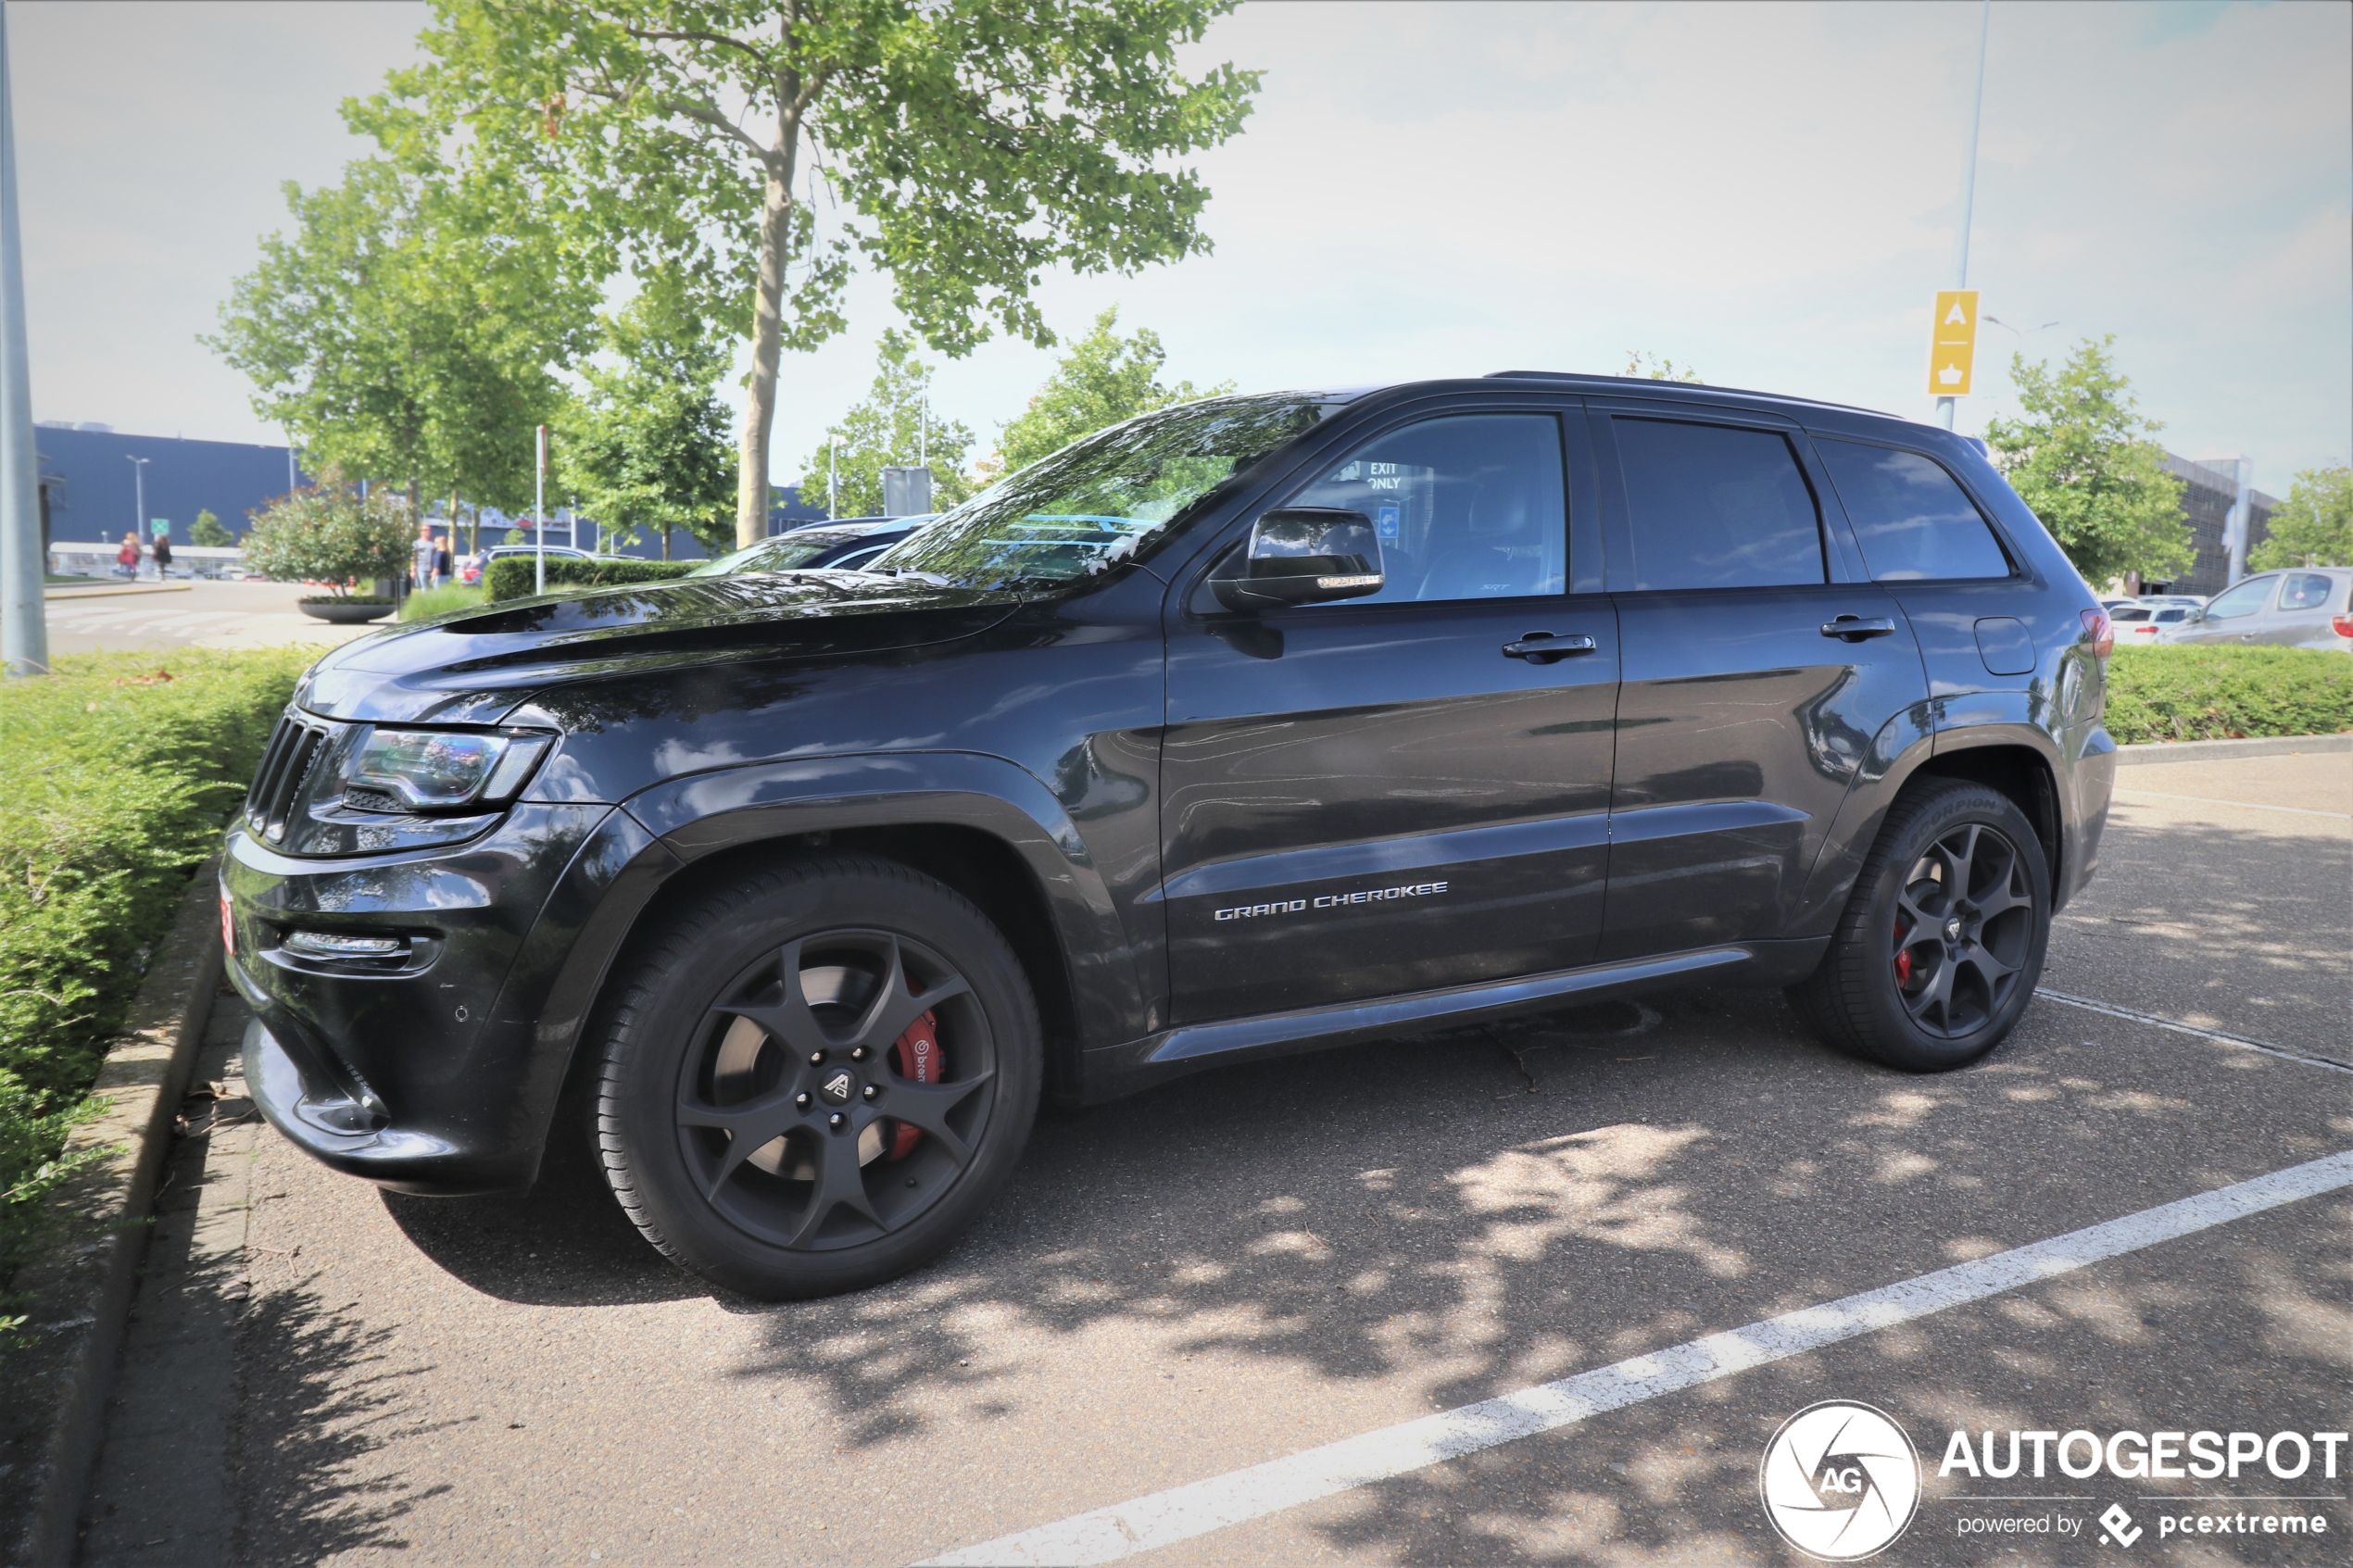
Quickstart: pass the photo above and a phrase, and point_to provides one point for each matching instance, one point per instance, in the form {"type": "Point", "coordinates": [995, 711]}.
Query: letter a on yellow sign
{"type": "Point", "coordinates": [1953, 342]}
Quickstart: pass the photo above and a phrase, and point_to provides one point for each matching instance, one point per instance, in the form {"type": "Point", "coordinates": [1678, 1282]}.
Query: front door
{"type": "Point", "coordinates": [1405, 791]}
{"type": "Point", "coordinates": [1753, 684]}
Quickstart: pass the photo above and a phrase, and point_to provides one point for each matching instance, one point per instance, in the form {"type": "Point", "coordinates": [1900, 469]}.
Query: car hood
{"type": "Point", "coordinates": [477, 666]}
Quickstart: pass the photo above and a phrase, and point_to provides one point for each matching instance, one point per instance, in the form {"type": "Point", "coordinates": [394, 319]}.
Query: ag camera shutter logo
{"type": "Point", "coordinates": [1839, 1481]}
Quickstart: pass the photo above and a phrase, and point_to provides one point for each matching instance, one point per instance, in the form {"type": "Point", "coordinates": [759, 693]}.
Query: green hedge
{"type": "Point", "coordinates": [2193, 692]}
{"type": "Point", "coordinates": [115, 774]}
{"type": "Point", "coordinates": [510, 577]}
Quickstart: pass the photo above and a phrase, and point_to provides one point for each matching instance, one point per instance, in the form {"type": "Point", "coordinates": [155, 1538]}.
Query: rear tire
{"type": "Point", "coordinates": [757, 1049]}
{"type": "Point", "coordinates": [1943, 939]}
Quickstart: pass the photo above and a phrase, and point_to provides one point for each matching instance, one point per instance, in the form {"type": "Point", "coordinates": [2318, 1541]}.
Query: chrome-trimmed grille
{"type": "Point", "coordinates": [286, 762]}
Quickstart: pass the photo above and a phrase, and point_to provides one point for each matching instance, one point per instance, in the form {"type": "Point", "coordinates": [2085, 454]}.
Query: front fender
{"type": "Point", "coordinates": [707, 813]}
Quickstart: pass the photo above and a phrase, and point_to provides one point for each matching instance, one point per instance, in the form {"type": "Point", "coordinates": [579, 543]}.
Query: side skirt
{"type": "Point", "coordinates": [1110, 1071]}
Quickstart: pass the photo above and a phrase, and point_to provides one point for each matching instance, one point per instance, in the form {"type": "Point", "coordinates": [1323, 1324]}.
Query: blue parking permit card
{"type": "Point", "coordinates": [1385, 522]}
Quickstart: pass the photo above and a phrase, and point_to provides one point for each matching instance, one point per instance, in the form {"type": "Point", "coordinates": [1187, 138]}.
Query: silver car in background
{"type": "Point", "coordinates": [2308, 606]}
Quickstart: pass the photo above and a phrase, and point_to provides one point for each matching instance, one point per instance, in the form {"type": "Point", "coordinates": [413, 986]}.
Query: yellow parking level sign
{"type": "Point", "coordinates": [1953, 344]}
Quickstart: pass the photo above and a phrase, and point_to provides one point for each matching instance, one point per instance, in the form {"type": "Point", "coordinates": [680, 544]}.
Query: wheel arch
{"type": "Point", "coordinates": [981, 825]}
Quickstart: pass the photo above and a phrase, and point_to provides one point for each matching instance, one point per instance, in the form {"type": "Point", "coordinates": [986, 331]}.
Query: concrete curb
{"type": "Point", "coordinates": [80, 1291]}
{"type": "Point", "coordinates": [2228, 750]}
{"type": "Point", "coordinates": [109, 592]}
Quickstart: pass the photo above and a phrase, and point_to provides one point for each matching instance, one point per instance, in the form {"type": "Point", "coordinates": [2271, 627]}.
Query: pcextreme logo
{"type": "Point", "coordinates": [1839, 1481]}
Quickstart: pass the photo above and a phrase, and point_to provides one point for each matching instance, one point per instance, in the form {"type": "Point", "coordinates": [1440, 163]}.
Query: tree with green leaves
{"type": "Point", "coordinates": [647, 450]}
{"type": "Point", "coordinates": [1104, 379]}
{"type": "Point", "coordinates": [1650, 366]}
{"type": "Point", "coordinates": [759, 149]}
{"type": "Point", "coordinates": [206, 531]}
{"type": "Point", "coordinates": [2080, 455]}
{"type": "Point", "coordinates": [893, 428]}
{"type": "Point", "coordinates": [409, 330]}
{"type": "Point", "coordinates": [2313, 526]}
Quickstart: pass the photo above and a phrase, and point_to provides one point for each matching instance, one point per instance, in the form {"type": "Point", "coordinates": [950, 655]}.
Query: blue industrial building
{"type": "Point", "coordinates": [89, 485]}
{"type": "Point", "coordinates": [88, 489]}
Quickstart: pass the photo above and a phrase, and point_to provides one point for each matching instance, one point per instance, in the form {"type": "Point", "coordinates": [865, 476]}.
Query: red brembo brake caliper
{"type": "Point", "coordinates": [917, 1057]}
{"type": "Point", "coordinates": [1903, 960]}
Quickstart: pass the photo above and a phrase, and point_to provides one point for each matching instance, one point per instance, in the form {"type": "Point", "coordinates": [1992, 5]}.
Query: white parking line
{"type": "Point", "coordinates": [1125, 1529]}
{"type": "Point", "coordinates": [2241, 805]}
{"type": "Point", "coordinates": [2218, 1036]}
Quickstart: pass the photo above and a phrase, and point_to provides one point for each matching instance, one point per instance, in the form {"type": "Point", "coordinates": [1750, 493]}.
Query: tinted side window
{"type": "Point", "coordinates": [1717, 506]}
{"type": "Point", "coordinates": [2245, 600]}
{"type": "Point", "coordinates": [2304, 590]}
{"type": "Point", "coordinates": [1468, 507]}
{"type": "Point", "coordinates": [1910, 516]}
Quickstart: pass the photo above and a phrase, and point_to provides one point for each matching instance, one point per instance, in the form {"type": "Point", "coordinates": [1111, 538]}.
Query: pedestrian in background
{"type": "Point", "coordinates": [126, 560]}
{"type": "Point", "coordinates": [420, 569]}
{"type": "Point", "coordinates": [441, 564]}
{"type": "Point", "coordinates": [163, 556]}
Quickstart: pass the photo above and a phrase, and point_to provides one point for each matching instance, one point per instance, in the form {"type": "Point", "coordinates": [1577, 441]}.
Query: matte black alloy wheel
{"type": "Point", "coordinates": [1965, 920]}
{"type": "Point", "coordinates": [1942, 941]}
{"type": "Point", "coordinates": [787, 1112]}
{"type": "Point", "coordinates": [812, 1075]}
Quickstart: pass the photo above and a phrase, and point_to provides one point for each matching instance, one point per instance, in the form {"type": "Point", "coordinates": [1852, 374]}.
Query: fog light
{"type": "Point", "coordinates": [334, 945]}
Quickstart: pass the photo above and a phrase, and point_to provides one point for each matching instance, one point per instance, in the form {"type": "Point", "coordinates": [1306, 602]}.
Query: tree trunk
{"type": "Point", "coordinates": [767, 343]}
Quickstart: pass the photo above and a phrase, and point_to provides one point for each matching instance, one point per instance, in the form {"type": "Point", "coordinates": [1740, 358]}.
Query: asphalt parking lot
{"type": "Point", "coordinates": [1252, 1263]}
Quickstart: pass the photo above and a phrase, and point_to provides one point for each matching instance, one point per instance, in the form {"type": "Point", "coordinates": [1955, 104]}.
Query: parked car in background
{"type": "Point", "coordinates": [2138, 625]}
{"type": "Point", "coordinates": [470, 568]}
{"type": "Point", "coordinates": [2191, 601]}
{"type": "Point", "coordinates": [2306, 607]}
{"type": "Point", "coordinates": [844, 546]}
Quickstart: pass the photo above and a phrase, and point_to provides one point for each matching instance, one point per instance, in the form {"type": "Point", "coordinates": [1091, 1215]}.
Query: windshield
{"type": "Point", "coordinates": [1103, 499]}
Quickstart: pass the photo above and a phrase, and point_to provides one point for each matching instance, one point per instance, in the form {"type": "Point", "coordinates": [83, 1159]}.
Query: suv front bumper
{"type": "Point", "coordinates": [436, 1067]}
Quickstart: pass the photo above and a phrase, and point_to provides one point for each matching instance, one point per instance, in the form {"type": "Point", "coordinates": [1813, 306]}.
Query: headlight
{"type": "Point", "coordinates": [439, 769]}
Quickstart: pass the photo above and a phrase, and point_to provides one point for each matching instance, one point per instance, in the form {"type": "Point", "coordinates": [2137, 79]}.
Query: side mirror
{"type": "Point", "coordinates": [1304, 556]}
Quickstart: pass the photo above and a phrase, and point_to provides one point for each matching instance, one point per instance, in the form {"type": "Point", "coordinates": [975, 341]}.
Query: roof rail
{"type": "Point", "coordinates": [1653, 385]}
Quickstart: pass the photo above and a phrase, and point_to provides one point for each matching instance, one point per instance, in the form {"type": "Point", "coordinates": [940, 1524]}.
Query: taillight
{"type": "Point", "coordinates": [2103, 635]}
{"type": "Point", "coordinates": [2343, 624]}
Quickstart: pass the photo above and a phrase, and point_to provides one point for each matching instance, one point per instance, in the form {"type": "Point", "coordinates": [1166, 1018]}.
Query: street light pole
{"type": "Point", "coordinates": [1969, 182]}
{"type": "Point", "coordinates": [24, 627]}
{"type": "Point", "coordinates": [139, 499]}
{"type": "Point", "coordinates": [539, 519]}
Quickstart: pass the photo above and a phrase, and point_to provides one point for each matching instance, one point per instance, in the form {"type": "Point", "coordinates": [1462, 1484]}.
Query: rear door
{"type": "Point", "coordinates": [2300, 618]}
{"type": "Point", "coordinates": [1379, 796]}
{"type": "Point", "coordinates": [1744, 709]}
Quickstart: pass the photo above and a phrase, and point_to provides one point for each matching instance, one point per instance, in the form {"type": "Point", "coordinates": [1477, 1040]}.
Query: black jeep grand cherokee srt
{"type": "Point", "coordinates": [1255, 726]}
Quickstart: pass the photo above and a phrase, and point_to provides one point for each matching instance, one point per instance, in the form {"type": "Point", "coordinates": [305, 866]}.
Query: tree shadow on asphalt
{"type": "Point", "coordinates": [1467, 1213]}
{"type": "Point", "coordinates": [306, 1434]}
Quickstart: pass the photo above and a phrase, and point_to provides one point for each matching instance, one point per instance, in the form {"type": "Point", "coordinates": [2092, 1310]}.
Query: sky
{"type": "Point", "coordinates": [1767, 192]}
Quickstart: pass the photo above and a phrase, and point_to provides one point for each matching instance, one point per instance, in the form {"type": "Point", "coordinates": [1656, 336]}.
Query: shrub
{"type": "Point", "coordinates": [510, 577]}
{"type": "Point", "coordinates": [115, 776]}
{"type": "Point", "coordinates": [329, 534]}
{"type": "Point", "coordinates": [2190, 690]}
{"type": "Point", "coordinates": [206, 531]}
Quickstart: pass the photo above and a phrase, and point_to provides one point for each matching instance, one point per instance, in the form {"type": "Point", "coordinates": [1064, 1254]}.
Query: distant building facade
{"type": "Point", "coordinates": [2207, 496]}
{"type": "Point", "coordinates": [90, 488]}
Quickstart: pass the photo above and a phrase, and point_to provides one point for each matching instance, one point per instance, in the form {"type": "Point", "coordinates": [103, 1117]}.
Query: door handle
{"type": "Point", "coordinates": [1854, 628]}
{"type": "Point", "coordinates": [1543, 648]}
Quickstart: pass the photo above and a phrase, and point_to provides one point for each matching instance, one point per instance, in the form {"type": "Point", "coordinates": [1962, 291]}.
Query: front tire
{"type": "Point", "coordinates": [1943, 937]}
{"type": "Point", "coordinates": [815, 1078]}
